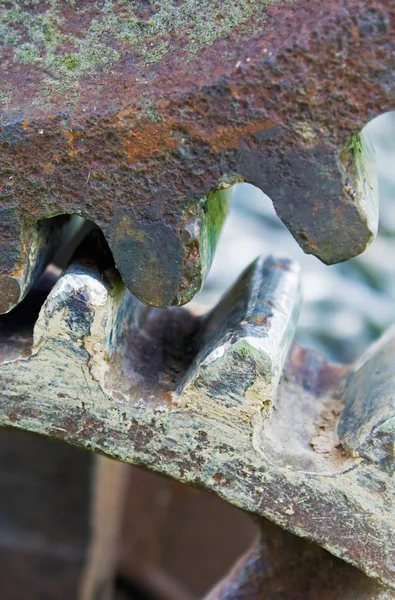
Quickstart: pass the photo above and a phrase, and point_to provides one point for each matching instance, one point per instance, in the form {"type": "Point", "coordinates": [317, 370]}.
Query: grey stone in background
{"type": "Point", "coordinates": [345, 306]}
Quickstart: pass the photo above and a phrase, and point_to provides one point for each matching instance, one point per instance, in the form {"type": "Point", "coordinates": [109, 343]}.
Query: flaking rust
{"type": "Point", "coordinates": [225, 402]}
{"type": "Point", "coordinates": [134, 114]}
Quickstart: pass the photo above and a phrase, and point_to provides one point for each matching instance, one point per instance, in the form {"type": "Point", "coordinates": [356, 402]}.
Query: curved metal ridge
{"type": "Point", "coordinates": [135, 115]}
{"type": "Point", "coordinates": [222, 401]}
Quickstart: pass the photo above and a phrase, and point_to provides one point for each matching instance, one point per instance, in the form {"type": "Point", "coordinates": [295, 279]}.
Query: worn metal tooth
{"type": "Point", "coordinates": [354, 206]}
{"type": "Point", "coordinates": [164, 261]}
{"type": "Point", "coordinates": [244, 341]}
{"type": "Point", "coordinates": [338, 195]}
{"type": "Point", "coordinates": [25, 253]}
{"type": "Point", "coordinates": [87, 305]}
{"type": "Point", "coordinates": [282, 566]}
{"type": "Point", "coordinates": [367, 424]}
{"type": "Point", "coordinates": [16, 327]}
{"type": "Point", "coordinates": [267, 97]}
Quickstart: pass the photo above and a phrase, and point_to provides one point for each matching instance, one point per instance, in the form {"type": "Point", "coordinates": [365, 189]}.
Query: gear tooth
{"type": "Point", "coordinates": [166, 264]}
{"type": "Point", "coordinates": [240, 344]}
{"type": "Point", "coordinates": [144, 385]}
{"type": "Point", "coordinates": [245, 340]}
{"type": "Point", "coordinates": [28, 252]}
{"type": "Point", "coordinates": [370, 397]}
{"type": "Point", "coordinates": [87, 306]}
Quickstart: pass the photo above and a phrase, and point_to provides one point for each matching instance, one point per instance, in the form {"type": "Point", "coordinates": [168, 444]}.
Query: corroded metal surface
{"type": "Point", "coordinates": [131, 113]}
{"type": "Point", "coordinates": [203, 400]}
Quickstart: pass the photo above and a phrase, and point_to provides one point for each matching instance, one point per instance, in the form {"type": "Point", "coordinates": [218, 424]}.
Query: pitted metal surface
{"type": "Point", "coordinates": [135, 115]}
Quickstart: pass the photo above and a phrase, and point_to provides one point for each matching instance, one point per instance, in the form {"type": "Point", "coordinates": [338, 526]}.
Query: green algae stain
{"type": "Point", "coordinates": [26, 53]}
{"type": "Point", "coordinates": [40, 36]}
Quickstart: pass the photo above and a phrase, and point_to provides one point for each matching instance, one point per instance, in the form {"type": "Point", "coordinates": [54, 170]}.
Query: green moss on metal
{"type": "Point", "coordinates": [215, 207]}
{"type": "Point", "coordinates": [40, 36]}
{"type": "Point", "coordinates": [27, 53]}
{"type": "Point", "coordinates": [355, 146]}
{"type": "Point", "coordinates": [5, 98]}
{"type": "Point", "coordinates": [358, 161]}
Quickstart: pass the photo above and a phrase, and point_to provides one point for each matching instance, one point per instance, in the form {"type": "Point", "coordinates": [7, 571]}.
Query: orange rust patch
{"type": "Point", "coordinates": [156, 137]}
{"type": "Point", "coordinates": [147, 140]}
{"type": "Point", "coordinates": [228, 137]}
{"type": "Point", "coordinates": [47, 168]}
{"type": "Point", "coordinates": [355, 34]}
{"type": "Point", "coordinates": [261, 320]}
{"type": "Point", "coordinates": [71, 139]}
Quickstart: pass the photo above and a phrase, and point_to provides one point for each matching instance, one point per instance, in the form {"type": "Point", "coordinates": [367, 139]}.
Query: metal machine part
{"type": "Point", "coordinates": [140, 117]}
{"type": "Point", "coordinates": [204, 400]}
